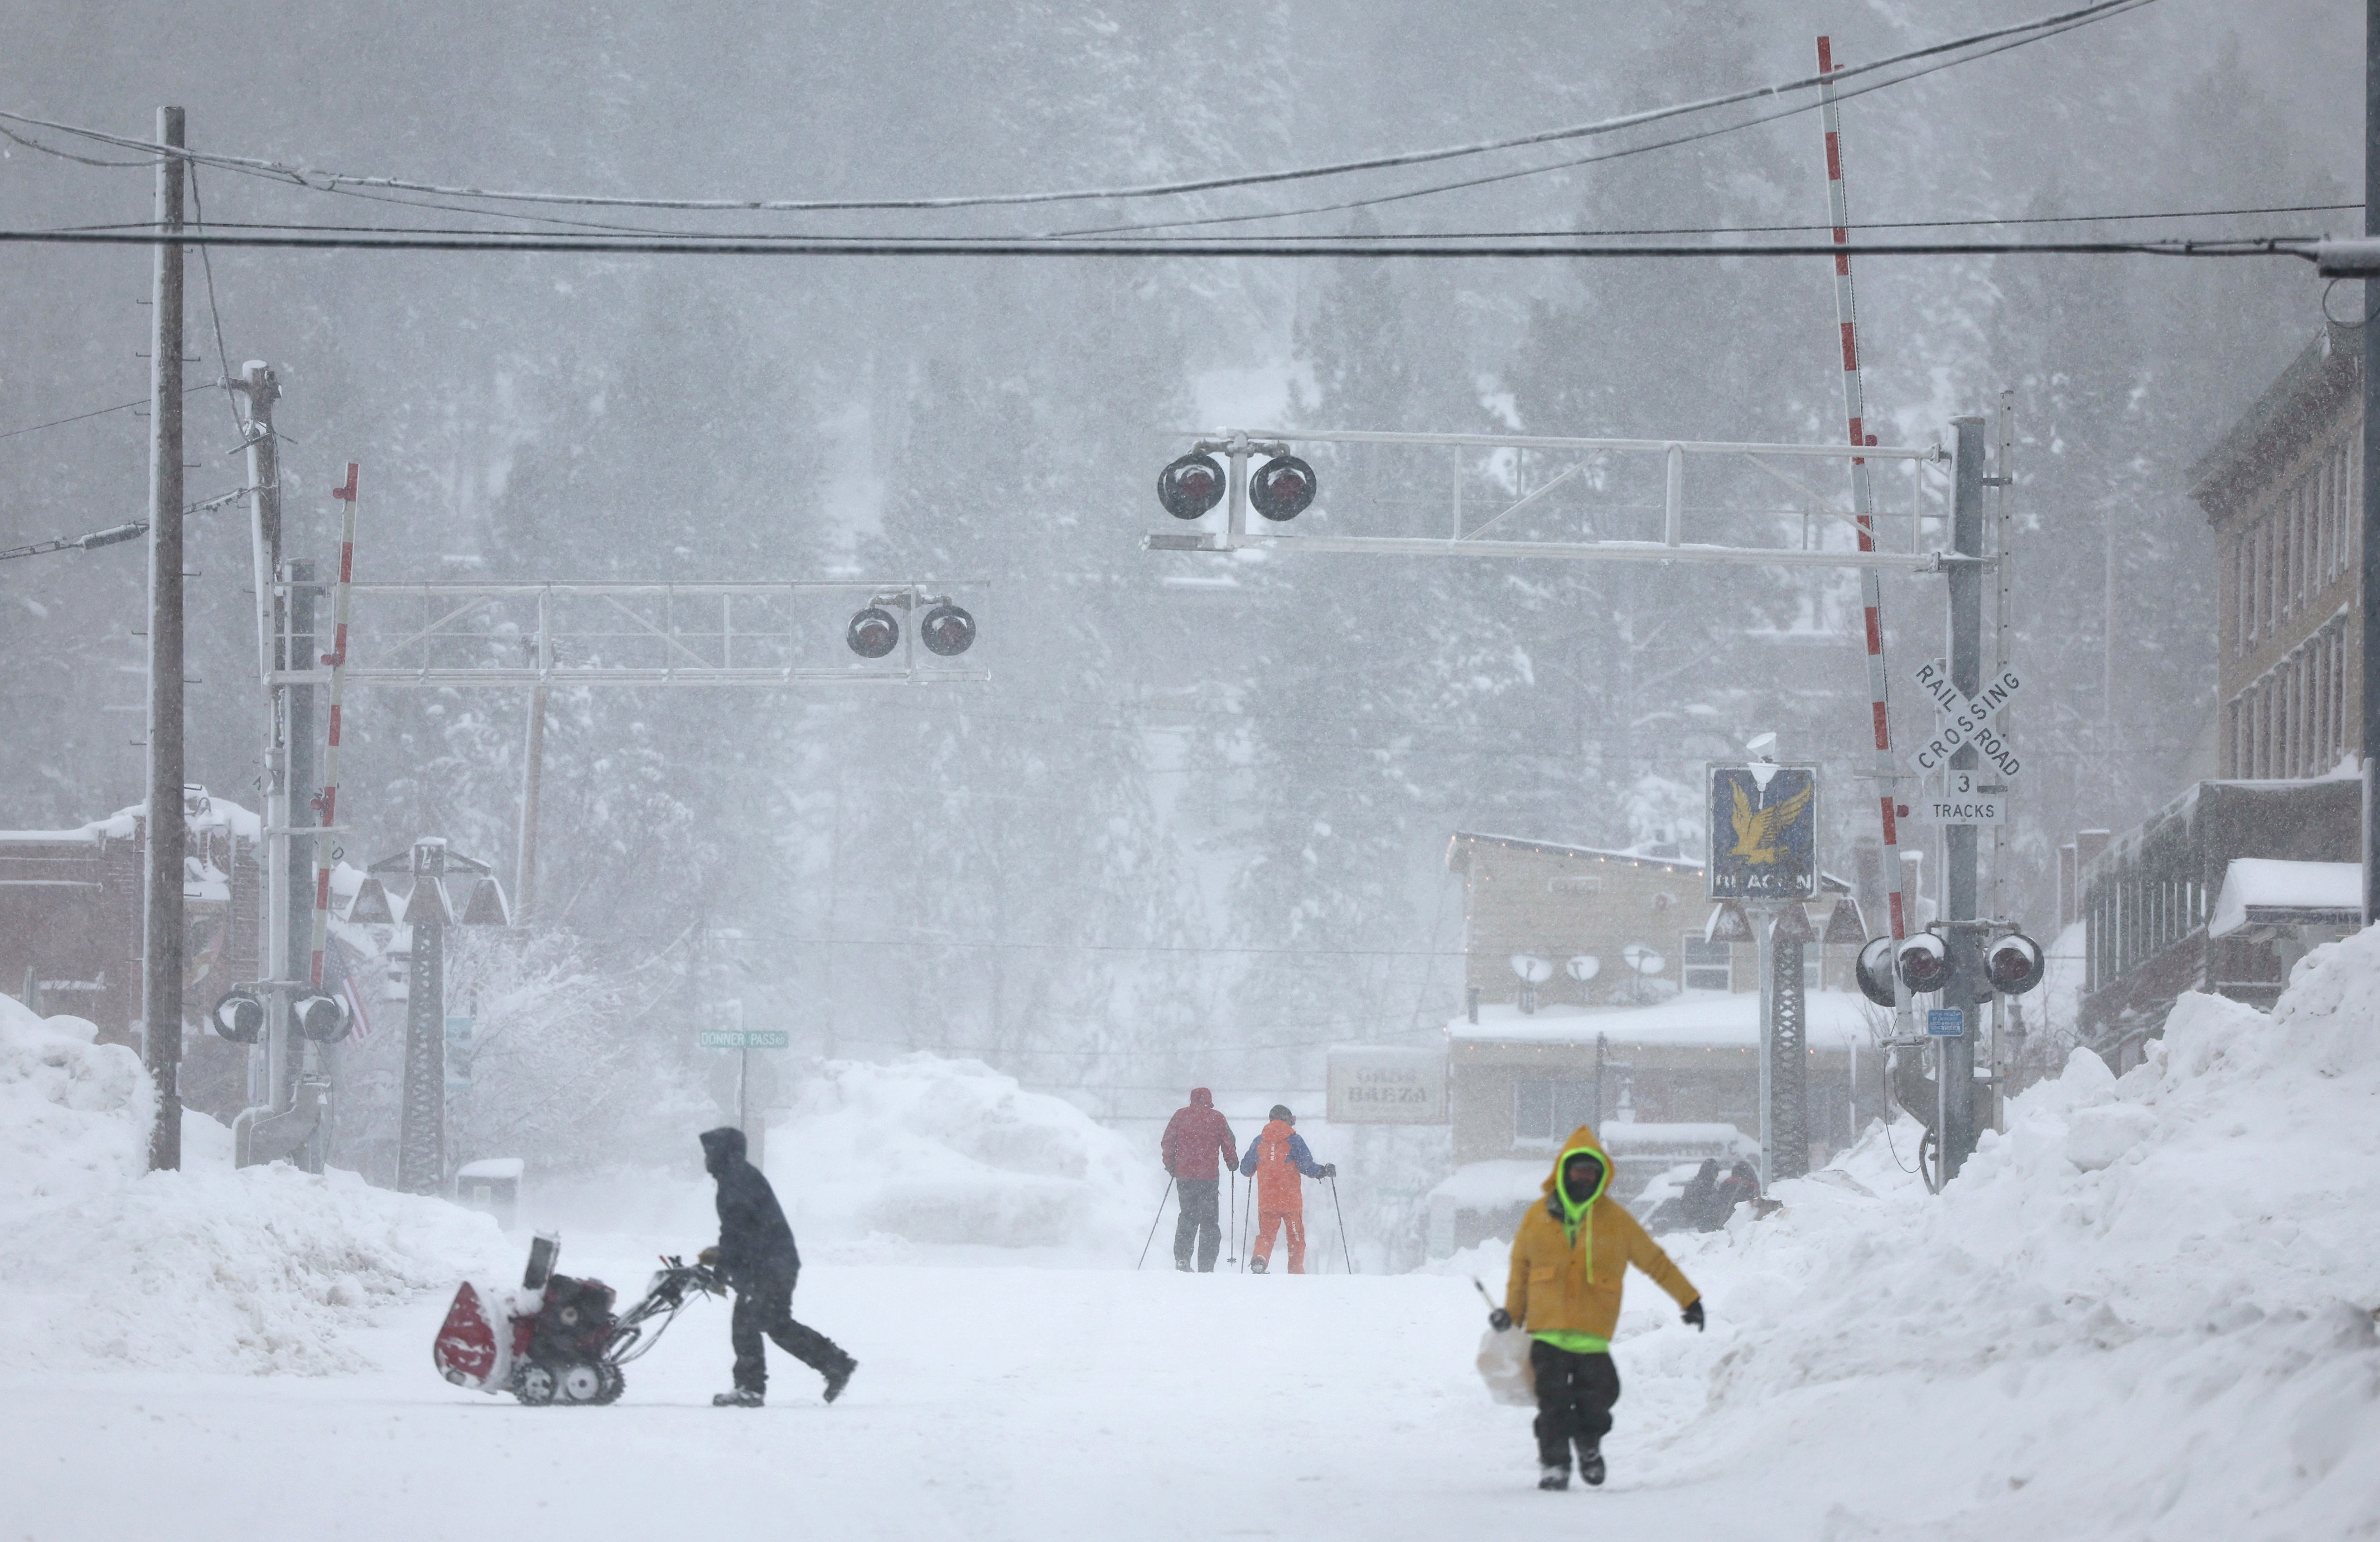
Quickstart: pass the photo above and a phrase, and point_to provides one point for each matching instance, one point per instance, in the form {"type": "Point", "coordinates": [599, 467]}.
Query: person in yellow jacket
{"type": "Point", "coordinates": [1570, 1258]}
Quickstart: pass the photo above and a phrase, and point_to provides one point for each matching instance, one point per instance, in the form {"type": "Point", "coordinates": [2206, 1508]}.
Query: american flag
{"type": "Point", "coordinates": [340, 976]}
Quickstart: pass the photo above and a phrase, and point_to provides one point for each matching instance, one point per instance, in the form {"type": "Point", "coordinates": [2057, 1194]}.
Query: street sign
{"type": "Point", "coordinates": [1764, 825]}
{"type": "Point", "coordinates": [1946, 1021]}
{"type": "Point", "coordinates": [1965, 721]}
{"type": "Point", "coordinates": [1387, 1087]}
{"type": "Point", "coordinates": [742, 1038]}
{"type": "Point", "coordinates": [1965, 798]}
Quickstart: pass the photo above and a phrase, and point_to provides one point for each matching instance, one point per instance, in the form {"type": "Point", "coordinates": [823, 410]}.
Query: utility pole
{"type": "Point", "coordinates": [1955, 1072]}
{"type": "Point", "coordinates": [2370, 591]}
{"type": "Point", "coordinates": [161, 917]}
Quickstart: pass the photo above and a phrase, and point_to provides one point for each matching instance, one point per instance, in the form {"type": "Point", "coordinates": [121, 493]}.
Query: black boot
{"type": "Point", "coordinates": [1590, 1463]}
{"type": "Point", "coordinates": [1553, 1478]}
{"type": "Point", "coordinates": [742, 1397]}
{"type": "Point", "coordinates": [840, 1377]}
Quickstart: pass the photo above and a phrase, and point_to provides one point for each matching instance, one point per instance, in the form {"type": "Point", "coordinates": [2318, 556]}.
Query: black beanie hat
{"type": "Point", "coordinates": [1281, 1111]}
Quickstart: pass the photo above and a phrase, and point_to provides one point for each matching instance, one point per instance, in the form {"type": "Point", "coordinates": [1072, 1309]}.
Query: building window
{"type": "Point", "coordinates": [1544, 1113]}
{"type": "Point", "coordinates": [1708, 965]}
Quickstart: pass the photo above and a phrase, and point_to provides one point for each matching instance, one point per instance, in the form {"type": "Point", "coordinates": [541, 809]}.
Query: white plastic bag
{"type": "Point", "coordinates": [1504, 1366]}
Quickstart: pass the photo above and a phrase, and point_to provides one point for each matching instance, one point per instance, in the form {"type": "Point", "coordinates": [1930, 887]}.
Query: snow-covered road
{"type": "Point", "coordinates": [992, 1403]}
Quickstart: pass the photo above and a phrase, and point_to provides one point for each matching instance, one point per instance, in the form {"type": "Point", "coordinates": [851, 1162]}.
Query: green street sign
{"type": "Point", "coordinates": [742, 1038]}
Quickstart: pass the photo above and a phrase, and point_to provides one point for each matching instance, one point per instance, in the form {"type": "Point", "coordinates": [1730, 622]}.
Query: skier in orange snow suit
{"type": "Point", "coordinates": [1275, 1160]}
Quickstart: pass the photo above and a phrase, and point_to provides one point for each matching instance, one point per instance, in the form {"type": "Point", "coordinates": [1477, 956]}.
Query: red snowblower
{"type": "Point", "coordinates": [555, 1340]}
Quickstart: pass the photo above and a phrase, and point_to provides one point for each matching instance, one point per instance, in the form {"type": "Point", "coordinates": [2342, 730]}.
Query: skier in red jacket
{"type": "Point", "coordinates": [1193, 1138]}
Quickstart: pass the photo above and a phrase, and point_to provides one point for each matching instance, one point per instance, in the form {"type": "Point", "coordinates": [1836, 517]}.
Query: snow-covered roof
{"type": "Point", "coordinates": [205, 812]}
{"type": "Point", "coordinates": [494, 1168]}
{"type": "Point", "coordinates": [1673, 863]}
{"type": "Point", "coordinates": [2305, 891]}
{"type": "Point", "coordinates": [1690, 1019]}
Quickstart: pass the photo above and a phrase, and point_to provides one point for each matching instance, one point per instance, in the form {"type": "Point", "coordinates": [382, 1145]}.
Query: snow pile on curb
{"type": "Point", "coordinates": [105, 1266]}
{"type": "Point", "coordinates": [945, 1152]}
{"type": "Point", "coordinates": [2152, 1299]}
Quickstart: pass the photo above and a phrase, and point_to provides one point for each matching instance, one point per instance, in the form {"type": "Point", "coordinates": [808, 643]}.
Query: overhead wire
{"type": "Point", "coordinates": [222, 354]}
{"type": "Point", "coordinates": [2294, 245]}
{"type": "Point", "coordinates": [1757, 120]}
{"type": "Point", "coordinates": [308, 177]}
{"type": "Point", "coordinates": [1547, 234]}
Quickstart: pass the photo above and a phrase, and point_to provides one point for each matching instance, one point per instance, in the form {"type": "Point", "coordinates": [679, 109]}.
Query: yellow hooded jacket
{"type": "Point", "coordinates": [1568, 1291]}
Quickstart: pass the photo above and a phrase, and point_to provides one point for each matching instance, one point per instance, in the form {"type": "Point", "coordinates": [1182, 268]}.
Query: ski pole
{"type": "Point", "coordinates": [1345, 1257]}
{"type": "Point", "coordinates": [1154, 1218]}
{"type": "Point", "coordinates": [1233, 1234]}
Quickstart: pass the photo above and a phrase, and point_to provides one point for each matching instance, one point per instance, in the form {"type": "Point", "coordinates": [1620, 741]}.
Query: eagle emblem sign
{"type": "Point", "coordinates": [1763, 823]}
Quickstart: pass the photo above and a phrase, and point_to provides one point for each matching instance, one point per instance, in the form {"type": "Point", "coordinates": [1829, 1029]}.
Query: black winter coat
{"type": "Point", "coordinates": [756, 1246]}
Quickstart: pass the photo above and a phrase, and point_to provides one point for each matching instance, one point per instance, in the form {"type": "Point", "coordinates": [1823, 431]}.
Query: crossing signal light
{"type": "Point", "coordinates": [874, 633]}
{"type": "Point", "coordinates": [2013, 964]}
{"type": "Point", "coordinates": [1191, 486]}
{"type": "Point", "coordinates": [323, 1019]}
{"type": "Point", "coordinates": [238, 1016]}
{"type": "Point", "coordinates": [947, 630]}
{"type": "Point", "coordinates": [1282, 488]}
{"type": "Point", "coordinates": [1925, 963]}
{"type": "Point", "coordinates": [1873, 971]}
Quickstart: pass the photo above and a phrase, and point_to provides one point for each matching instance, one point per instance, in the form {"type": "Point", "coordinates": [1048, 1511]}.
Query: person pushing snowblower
{"type": "Point", "coordinates": [1569, 1259]}
{"type": "Point", "coordinates": [756, 1259]}
{"type": "Point", "coordinates": [1275, 1158]}
{"type": "Point", "coordinates": [1193, 1138]}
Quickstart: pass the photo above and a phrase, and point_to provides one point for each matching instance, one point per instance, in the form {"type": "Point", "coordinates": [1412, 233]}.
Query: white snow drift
{"type": "Point", "coordinates": [207, 1269]}
{"type": "Point", "coordinates": [939, 1152]}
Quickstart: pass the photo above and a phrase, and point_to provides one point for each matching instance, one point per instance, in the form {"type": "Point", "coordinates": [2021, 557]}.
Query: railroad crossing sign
{"type": "Point", "coordinates": [742, 1038]}
{"type": "Point", "coordinates": [1966, 720]}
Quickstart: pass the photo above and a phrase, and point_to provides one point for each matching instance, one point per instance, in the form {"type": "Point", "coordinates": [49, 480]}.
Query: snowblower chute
{"type": "Point", "coordinates": [556, 1339]}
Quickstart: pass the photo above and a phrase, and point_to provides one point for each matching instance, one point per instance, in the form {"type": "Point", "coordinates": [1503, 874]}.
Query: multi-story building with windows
{"type": "Point", "coordinates": [2283, 492]}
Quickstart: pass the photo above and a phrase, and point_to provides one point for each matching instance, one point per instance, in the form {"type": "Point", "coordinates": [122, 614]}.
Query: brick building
{"type": "Point", "coordinates": [70, 930]}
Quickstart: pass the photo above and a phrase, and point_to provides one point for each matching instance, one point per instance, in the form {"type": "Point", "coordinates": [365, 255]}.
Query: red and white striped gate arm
{"type": "Point", "coordinates": [1863, 512]}
{"type": "Point", "coordinates": [327, 801]}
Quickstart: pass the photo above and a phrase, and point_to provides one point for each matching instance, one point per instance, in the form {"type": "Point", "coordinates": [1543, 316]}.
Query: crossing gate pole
{"type": "Point", "coordinates": [1887, 773]}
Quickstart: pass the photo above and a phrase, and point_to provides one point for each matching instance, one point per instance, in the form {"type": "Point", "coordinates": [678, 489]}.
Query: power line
{"type": "Point", "coordinates": [332, 181]}
{"type": "Point", "coordinates": [2297, 246]}
{"type": "Point", "coordinates": [318, 228]}
{"type": "Point", "coordinates": [95, 412]}
{"type": "Point", "coordinates": [1755, 121]}
{"type": "Point", "coordinates": [223, 355]}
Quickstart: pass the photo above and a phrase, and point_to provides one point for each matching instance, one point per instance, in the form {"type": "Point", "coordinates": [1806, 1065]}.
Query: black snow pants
{"type": "Point", "coordinates": [1200, 1222]}
{"type": "Point", "coordinates": [1574, 1397]}
{"type": "Point", "coordinates": [765, 1306]}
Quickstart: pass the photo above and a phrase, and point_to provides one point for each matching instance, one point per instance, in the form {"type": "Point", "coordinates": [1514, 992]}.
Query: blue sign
{"type": "Point", "coordinates": [1946, 1021]}
{"type": "Point", "coordinates": [1764, 831]}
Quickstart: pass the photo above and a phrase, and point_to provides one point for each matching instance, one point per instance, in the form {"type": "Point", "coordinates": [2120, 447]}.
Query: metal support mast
{"type": "Point", "coordinates": [2369, 577]}
{"type": "Point", "coordinates": [422, 1135]}
{"type": "Point", "coordinates": [1955, 1083]}
{"type": "Point", "coordinates": [162, 904]}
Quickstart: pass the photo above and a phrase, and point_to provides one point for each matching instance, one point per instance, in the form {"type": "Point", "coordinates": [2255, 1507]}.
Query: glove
{"type": "Point", "coordinates": [1330, 1170]}
{"type": "Point", "coordinates": [708, 1258]}
{"type": "Point", "coordinates": [1500, 1319]}
{"type": "Point", "coordinates": [1694, 1313]}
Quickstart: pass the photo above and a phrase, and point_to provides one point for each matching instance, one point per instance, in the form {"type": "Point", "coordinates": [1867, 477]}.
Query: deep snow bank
{"type": "Point", "coordinates": [2146, 1310]}
{"type": "Point", "coordinates": [938, 1152]}
{"type": "Point", "coordinates": [102, 1264]}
